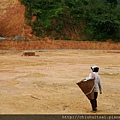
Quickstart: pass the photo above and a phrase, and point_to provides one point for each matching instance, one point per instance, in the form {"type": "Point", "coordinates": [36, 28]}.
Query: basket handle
{"type": "Point", "coordinates": [90, 91]}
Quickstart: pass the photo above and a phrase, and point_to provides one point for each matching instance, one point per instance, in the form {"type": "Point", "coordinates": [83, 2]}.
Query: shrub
{"type": "Point", "coordinates": [101, 18]}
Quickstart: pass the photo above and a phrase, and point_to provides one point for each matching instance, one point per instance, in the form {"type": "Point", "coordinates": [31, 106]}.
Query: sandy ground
{"type": "Point", "coordinates": [46, 83]}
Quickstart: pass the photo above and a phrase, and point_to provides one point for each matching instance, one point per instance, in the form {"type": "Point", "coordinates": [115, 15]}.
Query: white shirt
{"type": "Point", "coordinates": [95, 75]}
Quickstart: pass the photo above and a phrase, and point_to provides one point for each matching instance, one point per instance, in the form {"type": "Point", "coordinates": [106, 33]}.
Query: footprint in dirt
{"type": "Point", "coordinates": [65, 107]}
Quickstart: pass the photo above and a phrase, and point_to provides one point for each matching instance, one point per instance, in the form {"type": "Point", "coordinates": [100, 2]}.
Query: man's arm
{"type": "Point", "coordinates": [100, 85]}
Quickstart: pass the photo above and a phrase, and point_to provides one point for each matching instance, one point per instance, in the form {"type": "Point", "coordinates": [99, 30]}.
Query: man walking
{"type": "Point", "coordinates": [97, 85]}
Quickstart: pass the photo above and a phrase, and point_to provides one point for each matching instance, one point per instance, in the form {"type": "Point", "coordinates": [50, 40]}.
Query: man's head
{"type": "Point", "coordinates": [95, 68]}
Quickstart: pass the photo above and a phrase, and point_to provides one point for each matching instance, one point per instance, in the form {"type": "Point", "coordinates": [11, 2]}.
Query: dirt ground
{"type": "Point", "coordinates": [46, 83]}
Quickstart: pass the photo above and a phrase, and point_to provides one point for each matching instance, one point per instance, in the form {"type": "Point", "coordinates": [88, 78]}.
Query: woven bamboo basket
{"type": "Point", "coordinates": [87, 87]}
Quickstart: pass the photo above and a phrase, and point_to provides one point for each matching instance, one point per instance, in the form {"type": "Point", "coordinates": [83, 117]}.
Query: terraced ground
{"type": "Point", "coordinates": [46, 83]}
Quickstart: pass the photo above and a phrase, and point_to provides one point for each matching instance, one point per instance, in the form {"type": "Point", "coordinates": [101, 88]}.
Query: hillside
{"type": "Point", "coordinates": [74, 19]}
{"type": "Point", "coordinates": [12, 20]}
{"type": "Point", "coordinates": [66, 20]}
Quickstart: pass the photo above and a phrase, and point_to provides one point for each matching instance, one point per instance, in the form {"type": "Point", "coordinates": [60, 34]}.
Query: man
{"type": "Point", "coordinates": [97, 84]}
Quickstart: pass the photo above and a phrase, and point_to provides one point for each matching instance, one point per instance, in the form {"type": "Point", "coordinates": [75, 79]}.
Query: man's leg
{"type": "Point", "coordinates": [93, 104]}
{"type": "Point", "coordinates": [95, 99]}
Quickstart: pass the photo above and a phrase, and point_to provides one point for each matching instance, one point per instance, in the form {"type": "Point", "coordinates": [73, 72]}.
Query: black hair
{"type": "Point", "coordinates": [96, 69]}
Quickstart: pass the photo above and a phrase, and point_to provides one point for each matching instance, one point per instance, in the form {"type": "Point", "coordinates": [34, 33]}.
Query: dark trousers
{"type": "Point", "coordinates": [94, 101]}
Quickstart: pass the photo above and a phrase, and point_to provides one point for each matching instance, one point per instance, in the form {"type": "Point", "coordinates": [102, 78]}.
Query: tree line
{"type": "Point", "coordinates": [92, 19]}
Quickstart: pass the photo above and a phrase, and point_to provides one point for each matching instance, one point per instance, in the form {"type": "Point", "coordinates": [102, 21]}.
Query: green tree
{"type": "Point", "coordinates": [101, 21]}
{"type": "Point", "coordinates": [100, 18]}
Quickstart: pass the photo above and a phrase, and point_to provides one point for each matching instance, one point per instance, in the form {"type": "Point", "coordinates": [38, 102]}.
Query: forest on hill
{"type": "Point", "coordinates": [74, 19]}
